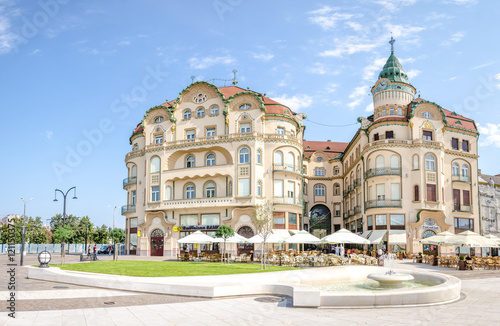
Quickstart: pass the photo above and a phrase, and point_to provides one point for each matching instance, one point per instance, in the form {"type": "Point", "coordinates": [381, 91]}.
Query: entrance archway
{"type": "Point", "coordinates": [320, 221]}
{"type": "Point", "coordinates": [157, 238]}
{"type": "Point", "coordinates": [245, 248]}
{"type": "Point", "coordinates": [427, 248]}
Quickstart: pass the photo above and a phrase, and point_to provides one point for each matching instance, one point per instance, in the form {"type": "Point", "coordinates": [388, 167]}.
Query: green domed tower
{"type": "Point", "coordinates": [392, 92]}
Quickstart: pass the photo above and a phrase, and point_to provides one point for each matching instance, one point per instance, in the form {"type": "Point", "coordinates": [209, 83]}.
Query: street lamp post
{"type": "Point", "coordinates": [64, 212]}
{"type": "Point", "coordinates": [24, 230]}
{"type": "Point", "coordinates": [114, 244]}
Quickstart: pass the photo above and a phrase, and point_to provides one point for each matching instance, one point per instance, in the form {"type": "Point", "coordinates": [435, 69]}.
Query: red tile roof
{"type": "Point", "coordinates": [332, 149]}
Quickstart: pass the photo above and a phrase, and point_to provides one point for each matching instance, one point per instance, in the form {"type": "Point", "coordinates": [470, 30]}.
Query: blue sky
{"type": "Point", "coordinates": [77, 76]}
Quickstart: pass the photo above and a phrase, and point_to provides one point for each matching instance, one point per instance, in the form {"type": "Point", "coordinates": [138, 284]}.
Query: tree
{"type": "Point", "coordinates": [35, 231]}
{"type": "Point", "coordinates": [62, 235]}
{"type": "Point", "coordinates": [100, 235]}
{"type": "Point", "coordinates": [117, 235]}
{"type": "Point", "coordinates": [224, 232]}
{"type": "Point", "coordinates": [263, 220]}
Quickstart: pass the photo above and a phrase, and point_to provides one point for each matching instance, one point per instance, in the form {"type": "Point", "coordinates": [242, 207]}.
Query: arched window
{"type": "Point", "coordinates": [189, 192]}
{"type": "Point", "coordinates": [187, 114]}
{"type": "Point", "coordinates": [190, 161]}
{"type": "Point", "coordinates": [133, 173]}
{"type": "Point", "coordinates": [200, 113]}
{"type": "Point", "coordinates": [379, 162]}
{"type": "Point", "coordinates": [210, 189]}
{"type": "Point", "coordinates": [465, 171]}
{"type": "Point", "coordinates": [214, 110]}
{"type": "Point", "coordinates": [259, 156]}
{"type": "Point", "coordinates": [290, 160]}
{"type": "Point", "coordinates": [158, 119]}
{"type": "Point", "coordinates": [259, 188]}
{"type": "Point", "coordinates": [210, 159]}
{"type": "Point", "coordinates": [319, 190]}
{"type": "Point", "coordinates": [400, 112]}
{"type": "Point", "coordinates": [244, 155]}
{"type": "Point", "coordinates": [230, 188]}
{"type": "Point", "coordinates": [391, 111]}
{"type": "Point", "coordinates": [455, 169]}
{"type": "Point", "coordinates": [430, 162]}
{"type": "Point", "coordinates": [336, 189]}
{"type": "Point", "coordinates": [394, 162]}
{"type": "Point", "coordinates": [416, 193]}
{"type": "Point", "coordinates": [155, 164]}
{"type": "Point", "coordinates": [415, 162]}
{"type": "Point", "coordinates": [278, 158]}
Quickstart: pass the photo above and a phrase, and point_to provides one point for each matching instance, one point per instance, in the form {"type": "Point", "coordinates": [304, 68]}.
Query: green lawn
{"type": "Point", "coordinates": [167, 268]}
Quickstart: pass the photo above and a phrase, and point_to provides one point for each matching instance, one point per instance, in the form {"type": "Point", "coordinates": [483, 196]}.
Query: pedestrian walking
{"type": "Point", "coordinates": [95, 252]}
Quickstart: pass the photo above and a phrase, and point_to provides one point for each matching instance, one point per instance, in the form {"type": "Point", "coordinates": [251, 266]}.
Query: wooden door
{"type": "Point", "coordinates": [157, 243]}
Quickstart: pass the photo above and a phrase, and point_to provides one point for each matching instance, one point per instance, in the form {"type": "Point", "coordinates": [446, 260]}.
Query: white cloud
{"type": "Point", "coordinates": [412, 73]}
{"type": "Point", "coordinates": [369, 108]}
{"type": "Point", "coordinates": [321, 69]}
{"type": "Point", "coordinates": [372, 69]}
{"type": "Point", "coordinates": [394, 5]}
{"type": "Point", "coordinates": [451, 78]}
{"type": "Point", "coordinates": [482, 65]}
{"type": "Point", "coordinates": [203, 63]}
{"type": "Point", "coordinates": [35, 52]}
{"type": "Point", "coordinates": [404, 32]}
{"type": "Point", "coordinates": [497, 76]}
{"type": "Point", "coordinates": [124, 43]}
{"type": "Point", "coordinates": [490, 134]}
{"type": "Point", "coordinates": [461, 2]}
{"type": "Point", "coordinates": [47, 134]}
{"type": "Point", "coordinates": [349, 45]}
{"type": "Point", "coordinates": [296, 102]}
{"type": "Point", "coordinates": [8, 39]}
{"type": "Point", "coordinates": [357, 95]}
{"type": "Point", "coordinates": [263, 56]}
{"type": "Point", "coordinates": [327, 17]}
{"type": "Point", "coordinates": [331, 88]}
{"type": "Point", "coordinates": [454, 38]}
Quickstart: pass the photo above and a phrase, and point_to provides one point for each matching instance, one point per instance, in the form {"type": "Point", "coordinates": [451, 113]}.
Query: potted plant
{"type": "Point", "coordinates": [461, 263]}
{"type": "Point", "coordinates": [400, 255]}
{"type": "Point", "coordinates": [374, 254]}
{"type": "Point", "coordinates": [419, 257]}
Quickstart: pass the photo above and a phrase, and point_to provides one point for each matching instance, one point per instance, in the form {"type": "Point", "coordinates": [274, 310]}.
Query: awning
{"type": "Point", "coordinates": [397, 237]}
{"type": "Point", "coordinates": [366, 234]}
{"type": "Point", "coordinates": [376, 236]}
{"type": "Point", "coordinates": [283, 234]}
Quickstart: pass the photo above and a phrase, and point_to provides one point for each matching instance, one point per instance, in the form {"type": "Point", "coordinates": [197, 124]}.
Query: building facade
{"type": "Point", "coordinates": [213, 154]}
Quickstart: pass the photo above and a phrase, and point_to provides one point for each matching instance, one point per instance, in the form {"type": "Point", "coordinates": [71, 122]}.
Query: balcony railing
{"type": "Point", "coordinates": [357, 209]}
{"type": "Point", "coordinates": [350, 212]}
{"type": "Point", "coordinates": [128, 209]}
{"type": "Point", "coordinates": [346, 193]}
{"type": "Point", "coordinates": [129, 181]}
{"type": "Point", "coordinates": [357, 182]}
{"type": "Point", "coordinates": [462, 208]}
{"type": "Point", "coordinates": [288, 168]}
{"type": "Point", "coordinates": [288, 201]}
{"type": "Point", "coordinates": [461, 178]}
{"type": "Point", "coordinates": [382, 171]}
{"type": "Point", "coordinates": [345, 216]}
{"type": "Point", "coordinates": [382, 203]}
{"type": "Point", "coordinates": [350, 188]}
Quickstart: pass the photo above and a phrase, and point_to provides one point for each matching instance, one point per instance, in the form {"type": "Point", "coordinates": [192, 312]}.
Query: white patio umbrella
{"type": "Point", "coordinates": [492, 237]}
{"type": "Point", "coordinates": [197, 237]}
{"type": "Point", "coordinates": [344, 236]}
{"type": "Point", "coordinates": [470, 239]}
{"type": "Point", "coordinates": [271, 238]}
{"type": "Point", "coordinates": [303, 237]}
{"type": "Point", "coordinates": [236, 238]}
{"type": "Point", "coordinates": [438, 239]}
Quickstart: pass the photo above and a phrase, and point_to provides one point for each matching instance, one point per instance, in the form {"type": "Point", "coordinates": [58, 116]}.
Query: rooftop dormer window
{"type": "Point", "coordinates": [244, 107]}
{"type": "Point", "coordinates": [158, 119]}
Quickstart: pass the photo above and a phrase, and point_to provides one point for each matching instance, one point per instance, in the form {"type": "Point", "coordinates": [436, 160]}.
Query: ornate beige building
{"type": "Point", "coordinates": [213, 154]}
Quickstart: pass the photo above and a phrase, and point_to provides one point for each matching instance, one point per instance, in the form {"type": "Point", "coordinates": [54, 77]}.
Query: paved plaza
{"type": "Point", "coordinates": [50, 303]}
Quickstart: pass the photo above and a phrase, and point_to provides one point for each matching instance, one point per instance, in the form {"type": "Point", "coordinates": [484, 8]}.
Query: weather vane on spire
{"type": "Point", "coordinates": [392, 41]}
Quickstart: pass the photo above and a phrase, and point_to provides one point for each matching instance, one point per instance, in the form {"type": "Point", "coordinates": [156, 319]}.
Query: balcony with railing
{"type": "Point", "coordinates": [199, 202]}
{"type": "Point", "coordinates": [128, 209]}
{"type": "Point", "coordinates": [129, 181]}
{"type": "Point", "coordinates": [350, 212]}
{"type": "Point", "coordinates": [356, 182]}
{"type": "Point", "coordinates": [287, 168]}
{"type": "Point", "coordinates": [462, 208]}
{"type": "Point", "coordinates": [288, 201]}
{"type": "Point", "coordinates": [350, 188]}
{"type": "Point", "coordinates": [461, 178]}
{"type": "Point", "coordinates": [382, 203]}
{"type": "Point", "coordinates": [382, 171]}
{"type": "Point", "coordinates": [357, 210]}
{"type": "Point", "coordinates": [345, 216]}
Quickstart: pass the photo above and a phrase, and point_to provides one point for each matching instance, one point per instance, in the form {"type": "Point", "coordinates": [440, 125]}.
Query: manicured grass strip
{"type": "Point", "coordinates": [167, 268]}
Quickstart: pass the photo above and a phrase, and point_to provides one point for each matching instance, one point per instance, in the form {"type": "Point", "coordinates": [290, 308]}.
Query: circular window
{"type": "Point", "coordinates": [199, 98]}
{"type": "Point", "coordinates": [158, 119]}
{"type": "Point", "coordinates": [430, 221]}
{"type": "Point", "coordinates": [244, 107]}
{"type": "Point", "coordinates": [428, 115]}
{"type": "Point", "coordinates": [319, 159]}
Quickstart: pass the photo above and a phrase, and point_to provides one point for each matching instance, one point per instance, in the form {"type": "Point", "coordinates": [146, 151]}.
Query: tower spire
{"type": "Point", "coordinates": [392, 41]}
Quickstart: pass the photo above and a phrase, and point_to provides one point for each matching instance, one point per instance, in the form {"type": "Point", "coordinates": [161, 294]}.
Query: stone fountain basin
{"type": "Point", "coordinates": [298, 284]}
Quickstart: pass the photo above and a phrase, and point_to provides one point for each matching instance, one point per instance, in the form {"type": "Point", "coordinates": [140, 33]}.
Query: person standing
{"type": "Point", "coordinates": [95, 252]}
